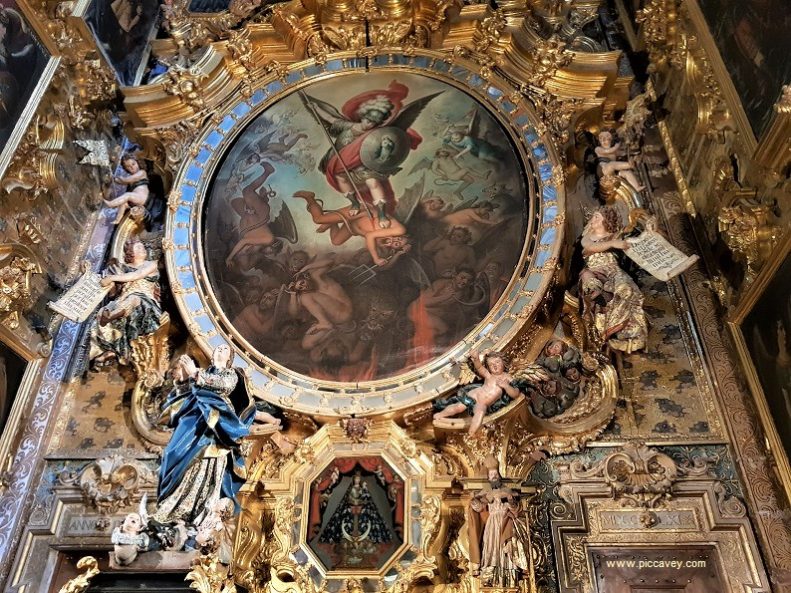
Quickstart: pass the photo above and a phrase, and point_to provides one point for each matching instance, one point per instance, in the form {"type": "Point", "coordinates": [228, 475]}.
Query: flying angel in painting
{"type": "Point", "coordinates": [470, 138]}
{"type": "Point", "coordinates": [371, 136]}
{"type": "Point", "coordinates": [447, 170]}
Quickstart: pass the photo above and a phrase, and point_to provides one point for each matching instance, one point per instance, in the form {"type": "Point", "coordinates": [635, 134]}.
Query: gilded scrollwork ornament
{"type": "Point", "coordinates": [240, 50]}
{"type": "Point", "coordinates": [749, 230]}
{"type": "Point", "coordinates": [81, 582]}
{"type": "Point", "coordinates": [33, 167]}
{"type": "Point", "coordinates": [209, 575]}
{"type": "Point", "coordinates": [17, 266]}
{"type": "Point", "coordinates": [659, 20]}
{"type": "Point", "coordinates": [549, 57]}
{"type": "Point", "coordinates": [637, 474]}
{"type": "Point", "coordinates": [111, 483]}
{"type": "Point", "coordinates": [185, 83]}
{"type": "Point", "coordinates": [489, 31]}
{"type": "Point", "coordinates": [94, 81]}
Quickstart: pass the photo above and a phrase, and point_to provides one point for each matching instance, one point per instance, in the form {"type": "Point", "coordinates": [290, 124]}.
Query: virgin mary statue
{"type": "Point", "coordinates": [210, 413]}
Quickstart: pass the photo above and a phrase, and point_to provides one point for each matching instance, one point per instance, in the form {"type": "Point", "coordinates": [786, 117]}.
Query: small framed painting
{"type": "Point", "coordinates": [26, 68]}
{"type": "Point", "coordinates": [123, 30]}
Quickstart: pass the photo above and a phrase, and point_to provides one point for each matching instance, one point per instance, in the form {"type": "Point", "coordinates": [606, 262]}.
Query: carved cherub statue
{"type": "Point", "coordinates": [214, 532]}
{"type": "Point", "coordinates": [607, 154]}
{"type": "Point", "coordinates": [129, 539]}
{"type": "Point", "coordinates": [479, 399]}
{"type": "Point", "coordinates": [136, 182]}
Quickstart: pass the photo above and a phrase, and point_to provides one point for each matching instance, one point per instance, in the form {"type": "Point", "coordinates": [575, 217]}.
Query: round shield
{"type": "Point", "coordinates": [384, 149]}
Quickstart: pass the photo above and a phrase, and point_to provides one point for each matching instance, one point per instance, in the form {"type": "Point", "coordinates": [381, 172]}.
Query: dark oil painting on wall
{"type": "Point", "coordinates": [122, 29]}
{"type": "Point", "coordinates": [766, 331]}
{"type": "Point", "coordinates": [361, 227]}
{"type": "Point", "coordinates": [754, 41]}
{"type": "Point", "coordinates": [356, 514]}
{"type": "Point", "coordinates": [209, 6]}
{"type": "Point", "coordinates": [12, 368]}
{"type": "Point", "coordinates": [22, 63]}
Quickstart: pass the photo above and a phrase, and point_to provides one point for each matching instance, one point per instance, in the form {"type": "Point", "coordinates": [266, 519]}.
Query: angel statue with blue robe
{"type": "Point", "coordinates": [210, 412]}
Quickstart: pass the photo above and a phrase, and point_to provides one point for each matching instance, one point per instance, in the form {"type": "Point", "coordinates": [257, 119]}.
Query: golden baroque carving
{"type": "Point", "coordinates": [184, 83]}
{"type": "Point", "coordinates": [33, 166]}
{"type": "Point", "coordinates": [94, 82]}
{"type": "Point", "coordinates": [356, 428]}
{"type": "Point", "coordinates": [80, 583]}
{"type": "Point", "coordinates": [661, 32]}
{"type": "Point", "coordinates": [28, 229]}
{"type": "Point", "coordinates": [637, 475]}
{"type": "Point", "coordinates": [549, 56]}
{"type": "Point", "coordinates": [17, 265]}
{"type": "Point", "coordinates": [557, 114]}
{"type": "Point", "coordinates": [243, 8]}
{"type": "Point", "coordinates": [748, 230]}
{"type": "Point", "coordinates": [174, 143]}
{"type": "Point", "coordinates": [390, 34]}
{"type": "Point", "coordinates": [784, 104]}
{"type": "Point", "coordinates": [209, 575]}
{"type": "Point", "coordinates": [241, 51]}
{"type": "Point", "coordinates": [489, 31]}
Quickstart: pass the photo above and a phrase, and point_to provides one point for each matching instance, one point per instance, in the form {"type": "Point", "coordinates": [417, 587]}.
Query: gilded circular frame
{"type": "Point", "coordinates": [516, 309]}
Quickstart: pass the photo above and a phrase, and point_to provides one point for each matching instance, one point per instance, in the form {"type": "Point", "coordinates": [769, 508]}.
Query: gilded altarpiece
{"type": "Point", "coordinates": [357, 485]}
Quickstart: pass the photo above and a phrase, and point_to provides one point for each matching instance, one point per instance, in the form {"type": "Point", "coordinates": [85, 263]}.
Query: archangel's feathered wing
{"type": "Point", "coordinates": [532, 374]}
{"type": "Point", "coordinates": [410, 113]}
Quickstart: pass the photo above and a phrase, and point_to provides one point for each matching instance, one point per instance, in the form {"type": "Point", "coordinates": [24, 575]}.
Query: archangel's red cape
{"type": "Point", "coordinates": [350, 154]}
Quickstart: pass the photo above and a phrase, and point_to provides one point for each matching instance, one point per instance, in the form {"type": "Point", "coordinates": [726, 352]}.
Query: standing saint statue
{"type": "Point", "coordinates": [202, 461]}
{"type": "Point", "coordinates": [498, 543]}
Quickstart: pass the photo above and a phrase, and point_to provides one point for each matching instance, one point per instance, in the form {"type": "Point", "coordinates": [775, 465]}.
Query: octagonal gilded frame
{"type": "Point", "coordinates": [285, 498]}
{"type": "Point", "coordinates": [411, 493]}
{"type": "Point", "coordinates": [530, 281]}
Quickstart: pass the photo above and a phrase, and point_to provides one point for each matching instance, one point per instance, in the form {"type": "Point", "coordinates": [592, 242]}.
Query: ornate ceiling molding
{"type": "Point", "coordinates": [213, 59]}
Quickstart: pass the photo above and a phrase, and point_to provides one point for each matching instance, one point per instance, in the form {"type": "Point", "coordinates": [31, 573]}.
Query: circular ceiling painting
{"type": "Point", "coordinates": [361, 226]}
{"type": "Point", "coordinates": [353, 227]}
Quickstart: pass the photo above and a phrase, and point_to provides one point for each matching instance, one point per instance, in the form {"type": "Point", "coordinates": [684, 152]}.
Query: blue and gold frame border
{"type": "Point", "coordinates": [516, 310]}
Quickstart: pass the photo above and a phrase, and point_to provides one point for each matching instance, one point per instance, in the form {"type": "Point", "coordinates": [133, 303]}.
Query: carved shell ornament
{"type": "Point", "coordinates": [640, 470]}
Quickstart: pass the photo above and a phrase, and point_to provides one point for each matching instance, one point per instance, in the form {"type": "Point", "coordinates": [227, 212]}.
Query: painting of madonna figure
{"type": "Point", "coordinates": [363, 226]}
{"type": "Point", "coordinates": [22, 63]}
{"type": "Point", "coordinates": [356, 514]}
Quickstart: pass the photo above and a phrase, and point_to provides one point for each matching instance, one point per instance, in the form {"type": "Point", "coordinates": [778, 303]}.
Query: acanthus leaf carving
{"type": "Point", "coordinates": [184, 83]}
